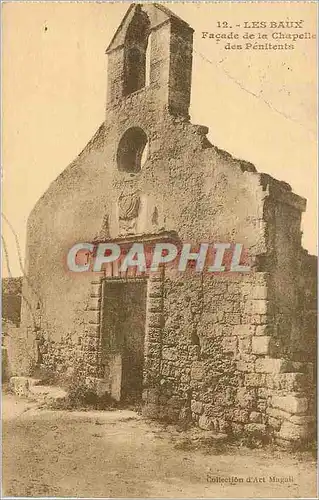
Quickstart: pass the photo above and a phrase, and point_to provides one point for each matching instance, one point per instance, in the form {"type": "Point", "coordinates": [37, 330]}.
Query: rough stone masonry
{"type": "Point", "coordinates": [233, 352]}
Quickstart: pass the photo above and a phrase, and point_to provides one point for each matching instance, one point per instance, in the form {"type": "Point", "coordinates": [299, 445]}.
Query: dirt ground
{"type": "Point", "coordinates": [117, 454]}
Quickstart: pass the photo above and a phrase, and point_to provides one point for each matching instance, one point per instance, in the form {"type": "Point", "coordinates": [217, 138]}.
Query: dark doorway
{"type": "Point", "coordinates": [124, 313]}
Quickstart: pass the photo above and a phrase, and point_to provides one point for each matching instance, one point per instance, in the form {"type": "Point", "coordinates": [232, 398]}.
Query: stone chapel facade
{"type": "Point", "coordinates": [230, 352]}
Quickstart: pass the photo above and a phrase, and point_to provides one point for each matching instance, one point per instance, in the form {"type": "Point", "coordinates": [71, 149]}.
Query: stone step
{"type": "Point", "coordinates": [31, 388]}
{"type": "Point", "coordinates": [46, 393]}
{"type": "Point", "coordinates": [21, 385]}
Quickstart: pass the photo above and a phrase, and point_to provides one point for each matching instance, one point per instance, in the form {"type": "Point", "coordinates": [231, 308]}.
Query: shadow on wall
{"type": "Point", "coordinates": [11, 313]}
{"type": "Point", "coordinates": [11, 302]}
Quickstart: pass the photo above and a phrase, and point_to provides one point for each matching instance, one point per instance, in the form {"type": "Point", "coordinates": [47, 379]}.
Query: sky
{"type": "Point", "coordinates": [259, 105]}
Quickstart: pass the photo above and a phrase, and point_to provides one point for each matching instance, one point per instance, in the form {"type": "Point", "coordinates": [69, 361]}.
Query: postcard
{"type": "Point", "coordinates": [159, 245]}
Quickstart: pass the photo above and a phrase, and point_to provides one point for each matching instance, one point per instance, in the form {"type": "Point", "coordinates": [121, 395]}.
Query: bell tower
{"type": "Point", "coordinates": [151, 53]}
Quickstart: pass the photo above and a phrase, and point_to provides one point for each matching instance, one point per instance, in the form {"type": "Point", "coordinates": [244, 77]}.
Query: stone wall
{"type": "Point", "coordinates": [20, 355]}
{"type": "Point", "coordinates": [192, 187]}
{"type": "Point", "coordinates": [211, 357]}
{"type": "Point", "coordinates": [11, 301]}
{"type": "Point", "coordinates": [217, 364]}
{"type": "Point", "coordinates": [220, 350]}
{"type": "Point", "coordinates": [203, 194]}
{"type": "Point", "coordinates": [304, 346]}
{"type": "Point", "coordinates": [180, 172]}
{"type": "Point", "coordinates": [11, 312]}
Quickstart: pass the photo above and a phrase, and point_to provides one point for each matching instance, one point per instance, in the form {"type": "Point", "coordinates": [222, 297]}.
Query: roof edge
{"type": "Point", "coordinates": [166, 11]}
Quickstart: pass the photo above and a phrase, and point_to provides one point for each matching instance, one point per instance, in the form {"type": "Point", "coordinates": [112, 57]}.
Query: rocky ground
{"type": "Point", "coordinates": [117, 454]}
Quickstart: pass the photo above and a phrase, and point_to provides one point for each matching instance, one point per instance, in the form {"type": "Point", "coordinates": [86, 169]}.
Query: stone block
{"type": "Point", "coordinates": [246, 398]}
{"type": "Point", "coordinates": [310, 370]}
{"type": "Point", "coordinates": [210, 408]}
{"type": "Point", "coordinates": [206, 423]}
{"type": "Point", "coordinates": [92, 344]}
{"type": "Point", "coordinates": [20, 386]}
{"type": "Point", "coordinates": [155, 289]}
{"type": "Point", "coordinates": [185, 378]}
{"type": "Point", "coordinates": [243, 330]}
{"type": "Point", "coordinates": [93, 331]}
{"type": "Point", "coordinates": [264, 330]}
{"type": "Point", "coordinates": [237, 307]}
{"type": "Point", "coordinates": [223, 425]}
{"type": "Point", "coordinates": [290, 404]}
{"type": "Point", "coordinates": [153, 350]}
{"type": "Point", "coordinates": [197, 370]}
{"type": "Point", "coordinates": [260, 344]}
{"type": "Point", "coordinates": [227, 306]}
{"type": "Point", "coordinates": [284, 443]}
{"type": "Point", "coordinates": [299, 366]}
{"type": "Point", "coordinates": [263, 392]}
{"type": "Point", "coordinates": [295, 381]}
{"type": "Point", "coordinates": [94, 303]}
{"type": "Point", "coordinates": [302, 419]}
{"type": "Point", "coordinates": [154, 320]}
{"type": "Point", "coordinates": [245, 366]}
{"type": "Point", "coordinates": [244, 345]}
{"type": "Point", "coordinates": [211, 378]}
{"type": "Point", "coordinates": [240, 416]}
{"type": "Point", "coordinates": [169, 353]}
{"type": "Point", "coordinates": [210, 330]}
{"type": "Point", "coordinates": [96, 290]}
{"type": "Point", "coordinates": [197, 407]}
{"type": "Point", "coordinates": [229, 344]}
{"type": "Point", "coordinates": [219, 288]}
{"type": "Point", "coordinates": [153, 334]}
{"type": "Point", "coordinates": [246, 290]}
{"type": "Point", "coordinates": [293, 432]}
{"type": "Point", "coordinates": [98, 278]}
{"type": "Point", "coordinates": [237, 428]}
{"type": "Point", "coordinates": [256, 429]}
{"type": "Point", "coordinates": [273, 381]}
{"type": "Point", "coordinates": [261, 405]}
{"type": "Point", "coordinates": [90, 383]}
{"type": "Point", "coordinates": [93, 317]}
{"type": "Point", "coordinates": [232, 318]}
{"type": "Point", "coordinates": [255, 417]}
{"type": "Point", "coordinates": [259, 292]}
{"type": "Point", "coordinates": [210, 318]}
{"type": "Point", "coordinates": [275, 423]}
{"type": "Point", "coordinates": [234, 288]}
{"type": "Point", "coordinates": [155, 305]}
{"type": "Point", "coordinates": [271, 365]}
{"type": "Point", "coordinates": [254, 379]}
{"type": "Point", "coordinates": [256, 306]}
{"type": "Point", "coordinates": [256, 319]}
